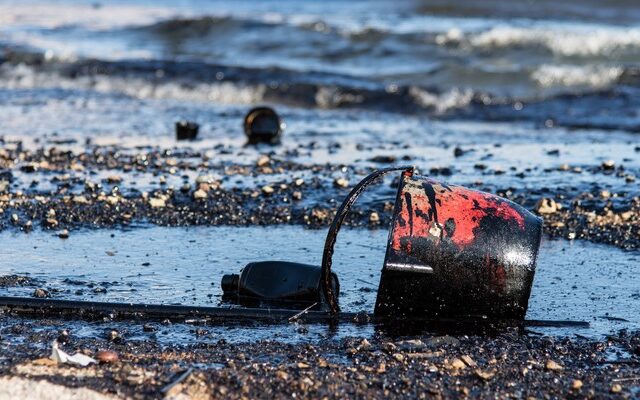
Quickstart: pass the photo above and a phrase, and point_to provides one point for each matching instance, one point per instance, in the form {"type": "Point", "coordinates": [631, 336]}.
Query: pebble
{"type": "Point", "coordinates": [267, 190]}
{"type": "Point", "coordinates": [114, 179]}
{"type": "Point", "coordinates": [297, 195]}
{"type": "Point", "coordinates": [616, 388]}
{"type": "Point", "coordinates": [469, 361]}
{"type": "Point", "coordinates": [457, 363]}
{"type": "Point", "coordinates": [374, 218]}
{"type": "Point", "coordinates": [200, 195]}
{"type": "Point", "coordinates": [80, 200]}
{"type": "Point", "coordinates": [546, 206]}
{"type": "Point", "coordinates": [485, 375]}
{"type": "Point", "coordinates": [155, 202]}
{"type": "Point", "coordinates": [576, 384]}
{"type": "Point", "coordinates": [107, 356]}
{"type": "Point", "coordinates": [263, 160]}
{"type": "Point", "coordinates": [63, 234]}
{"type": "Point", "coordinates": [205, 179]}
{"type": "Point", "coordinates": [40, 293]}
{"type": "Point", "coordinates": [553, 366]}
{"type": "Point", "coordinates": [341, 182]}
{"type": "Point", "coordinates": [608, 165]}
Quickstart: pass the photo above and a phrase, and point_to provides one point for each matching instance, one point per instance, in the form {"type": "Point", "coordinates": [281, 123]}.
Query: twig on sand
{"type": "Point", "coordinates": [181, 378]}
{"type": "Point", "coordinates": [295, 317]}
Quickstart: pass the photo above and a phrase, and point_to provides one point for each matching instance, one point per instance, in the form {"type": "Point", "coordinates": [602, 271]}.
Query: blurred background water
{"type": "Point", "coordinates": [571, 63]}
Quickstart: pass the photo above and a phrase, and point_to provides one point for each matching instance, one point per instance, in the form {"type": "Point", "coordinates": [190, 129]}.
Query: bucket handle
{"type": "Point", "coordinates": [332, 235]}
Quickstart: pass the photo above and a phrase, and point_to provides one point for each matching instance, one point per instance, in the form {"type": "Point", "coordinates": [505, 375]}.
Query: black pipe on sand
{"type": "Point", "coordinates": [88, 310]}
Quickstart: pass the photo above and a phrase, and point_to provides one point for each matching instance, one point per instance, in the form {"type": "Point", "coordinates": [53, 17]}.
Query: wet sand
{"type": "Point", "coordinates": [511, 363]}
{"type": "Point", "coordinates": [101, 188]}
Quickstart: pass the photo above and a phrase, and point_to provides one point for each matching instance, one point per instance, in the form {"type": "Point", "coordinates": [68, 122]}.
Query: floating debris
{"type": "Point", "coordinates": [263, 125]}
{"type": "Point", "coordinates": [186, 130]}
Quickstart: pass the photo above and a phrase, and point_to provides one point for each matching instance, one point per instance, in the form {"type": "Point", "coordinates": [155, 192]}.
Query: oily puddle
{"type": "Point", "coordinates": [575, 280]}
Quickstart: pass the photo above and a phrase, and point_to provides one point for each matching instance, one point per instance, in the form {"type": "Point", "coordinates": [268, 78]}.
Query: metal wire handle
{"type": "Point", "coordinates": [332, 235]}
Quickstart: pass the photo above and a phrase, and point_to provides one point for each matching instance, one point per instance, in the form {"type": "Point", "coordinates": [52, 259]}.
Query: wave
{"type": "Point", "coordinates": [595, 76]}
{"type": "Point", "coordinates": [608, 108]}
{"type": "Point", "coordinates": [567, 41]}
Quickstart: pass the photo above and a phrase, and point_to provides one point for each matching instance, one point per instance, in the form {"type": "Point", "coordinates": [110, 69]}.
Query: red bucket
{"type": "Point", "coordinates": [452, 252]}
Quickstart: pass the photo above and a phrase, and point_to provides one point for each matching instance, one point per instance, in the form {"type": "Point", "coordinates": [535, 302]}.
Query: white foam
{"type": "Point", "coordinates": [51, 16]}
{"type": "Point", "coordinates": [561, 39]}
{"type": "Point", "coordinates": [24, 77]}
{"type": "Point", "coordinates": [442, 102]}
{"type": "Point", "coordinates": [596, 76]}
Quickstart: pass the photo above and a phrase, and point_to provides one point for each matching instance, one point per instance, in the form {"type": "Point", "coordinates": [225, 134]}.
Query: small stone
{"type": "Point", "coordinates": [302, 365]}
{"type": "Point", "coordinates": [200, 195]}
{"type": "Point", "coordinates": [156, 202]}
{"type": "Point", "coordinates": [608, 165]}
{"type": "Point", "coordinates": [297, 195]}
{"type": "Point", "coordinates": [114, 179]}
{"type": "Point", "coordinates": [457, 363]}
{"type": "Point", "coordinates": [571, 235]}
{"type": "Point", "coordinates": [148, 328]}
{"type": "Point", "coordinates": [546, 206]}
{"type": "Point", "coordinates": [205, 179]}
{"type": "Point", "coordinates": [40, 293]}
{"type": "Point", "coordinates": [374, 218]}
{"type": "Point", "coordinates": [80, 200]}
{"type": "Point", "coordinates": [341, 182]}
{"type": "Point", "coordinates": [63, 234]}
{"type": "Point", "coordinates": [469, 361]}
{"type": "Point", "coordinates": [553, 366]}
{"type": "Point", "coordinates": [263, 160]}
{"type": "Point", "coordinates": [282, 375]}
{"type": "Point", "coordinates": [616, 388]}
{"type": "Point", "coordinates": [267, 190]}
{"type": "Point", "coordinates": [485, 375]}
{"type": "Point", "coordinates": [576, 384]}
{"type": "Point", "coordinates": [605, 194]}
{"type": "Point", "coordinates": [113, 200]}
{"type": "Point", "coordinates": [113, 335]}
{"type": "Point", "coordinates": [364, 345]}
{"type": "Point", "coordinates": [628, 178]}
{"type": "Point", "coordinates": [4, 186]}
{"type": "Point", "coordinates": [399, 357]}
{"type": "Point", "coordinates": [299, 182]}
{"type": "Point", "coordinates": [107, 356]}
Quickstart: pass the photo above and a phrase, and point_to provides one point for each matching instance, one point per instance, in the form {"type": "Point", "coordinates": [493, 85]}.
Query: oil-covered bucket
{"type": "Point", "coordinates": [451, 252]}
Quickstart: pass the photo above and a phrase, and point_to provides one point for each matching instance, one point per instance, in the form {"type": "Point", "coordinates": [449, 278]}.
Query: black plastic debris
{"type": "Point", "coordinates": [186, 130]}
{"type": "Point", "coordinates": [276, 283]}
{"type": "Point", "coordinates": [263, 125]}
